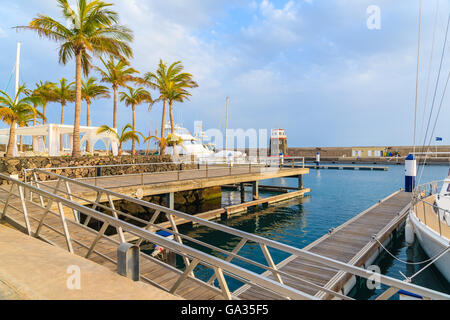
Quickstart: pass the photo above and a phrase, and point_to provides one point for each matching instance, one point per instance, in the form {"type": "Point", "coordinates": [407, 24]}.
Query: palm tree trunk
{"type": "Point", "coordinates": [115, 108]}
{"type": "Point", "coordinates": [12, 139]}
{"type": "Point", "coordinates": [172, 126]}
{"type": "Point", "coordinates": [119, 153]}
{"type": "Point", "coordinates": [133, 146]}
{"type": "Point", "coordinates": [163, 123]}
{"type": "Point", "coordinates": [88, 122]}
{"type": "Point", "coordinates": [172, 122]}
{"type": "Point", "coordinates": [35, 117]}
{"type": "Point", "coordinates": [76, 152]}
{"type": "Point", "coordinates": [44, 118]}
{"type": "Point", "coordinates": [63, 105]}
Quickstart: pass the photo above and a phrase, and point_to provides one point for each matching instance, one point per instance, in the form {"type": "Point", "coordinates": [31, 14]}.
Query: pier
{"type": "Point", "coordinates": [343, 167]}
{"type": "Point", "coordinates": [352, 243]}
{"type": "Point", "coordinates": [168, 183]}
{"type": "Point", "coordinates": [42, 213]}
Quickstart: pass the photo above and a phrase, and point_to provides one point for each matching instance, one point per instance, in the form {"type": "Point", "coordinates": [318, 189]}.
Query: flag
{"type": "Point", "coordinates": [439, 139]}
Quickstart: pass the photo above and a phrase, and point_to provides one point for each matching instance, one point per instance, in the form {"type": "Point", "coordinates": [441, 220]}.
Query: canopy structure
{"type": "Point", "coordinates": [46, 138]}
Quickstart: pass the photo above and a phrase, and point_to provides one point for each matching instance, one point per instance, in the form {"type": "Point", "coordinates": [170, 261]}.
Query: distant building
{"type": "Point", "coordinates": [367, 152]}
{"type": "Point", "coordinates": [278, 142]}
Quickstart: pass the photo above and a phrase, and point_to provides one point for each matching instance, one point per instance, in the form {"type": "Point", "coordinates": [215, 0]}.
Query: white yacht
{"type": "Point", "coordinates": [191, 145]}
{"type": "Point", "coordinates": [429, 220]}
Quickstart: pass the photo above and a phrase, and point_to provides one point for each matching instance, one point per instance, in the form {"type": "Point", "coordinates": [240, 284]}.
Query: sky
{"type": "Point", "coordinates": [312, 67]}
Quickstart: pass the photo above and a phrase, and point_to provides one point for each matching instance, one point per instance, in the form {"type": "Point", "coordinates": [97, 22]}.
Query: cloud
{"type": "Point", "coordinates": [310, 67]}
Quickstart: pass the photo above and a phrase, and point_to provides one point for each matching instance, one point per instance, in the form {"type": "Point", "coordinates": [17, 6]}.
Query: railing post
{"type": "Point", "coordinates": [7, 201]}
{"type": "Point", "coordinates": [24, 208]}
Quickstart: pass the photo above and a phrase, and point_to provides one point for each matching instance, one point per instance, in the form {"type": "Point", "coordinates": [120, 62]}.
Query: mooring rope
{"type": "Point", "coordinates": [411, 263]}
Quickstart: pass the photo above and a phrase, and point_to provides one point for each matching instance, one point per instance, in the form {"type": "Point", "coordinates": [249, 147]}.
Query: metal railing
{"type": "Point", "coordinates": [150, 170]}
{"type": "Point", "coordinates": [192, 251]}
{"type": "Point", "coordinates": [422, 206]}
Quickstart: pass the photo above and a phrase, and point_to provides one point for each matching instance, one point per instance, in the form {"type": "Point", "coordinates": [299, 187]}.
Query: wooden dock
{"type": "Point", "coordinates": [351, 243]}
{"type": "Point", "coordinates": [168, 182]}
{"type": "Point", "coordinates": [345, 167]}
{"type": "Point", "coordinates": [232, 210]}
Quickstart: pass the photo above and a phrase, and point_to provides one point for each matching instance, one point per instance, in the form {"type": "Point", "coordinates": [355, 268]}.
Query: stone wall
{"type": "Point", "coordinates": [16, 166]}
{"type": "Point", "coordinates": [190, 201]}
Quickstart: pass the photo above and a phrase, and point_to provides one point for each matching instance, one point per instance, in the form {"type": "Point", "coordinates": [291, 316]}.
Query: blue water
{"type": "Point", "coordinates": [336, 196]}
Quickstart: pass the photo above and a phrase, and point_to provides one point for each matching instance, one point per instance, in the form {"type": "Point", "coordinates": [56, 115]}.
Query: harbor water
{"type": "Point", "coordinates": [336, 196]}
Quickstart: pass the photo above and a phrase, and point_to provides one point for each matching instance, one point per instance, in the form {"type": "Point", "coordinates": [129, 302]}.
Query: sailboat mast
{"type": "Point", "coordinates": [17, 67]}
{"type": "Point", "coordinates": [226, 122]}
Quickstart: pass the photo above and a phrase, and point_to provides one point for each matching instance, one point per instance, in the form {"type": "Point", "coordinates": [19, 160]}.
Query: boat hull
{"type": "Point", "coordinates": [433, 244]}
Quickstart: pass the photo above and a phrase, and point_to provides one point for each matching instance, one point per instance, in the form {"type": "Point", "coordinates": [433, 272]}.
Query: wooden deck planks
{"type": "Point", "coordinates": [343, 245]}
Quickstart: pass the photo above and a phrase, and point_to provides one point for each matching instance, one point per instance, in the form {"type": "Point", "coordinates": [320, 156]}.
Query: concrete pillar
{"type": "Point", "coordinates": [255, 190]}
{"type": "Point", "coordinates": [171, 200]}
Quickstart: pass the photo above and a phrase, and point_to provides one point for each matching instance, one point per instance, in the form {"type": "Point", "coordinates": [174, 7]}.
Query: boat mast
{"type": "Point", "coordinates": [17, 68]}
{"type": "Point", "coordinates": [226, 122]}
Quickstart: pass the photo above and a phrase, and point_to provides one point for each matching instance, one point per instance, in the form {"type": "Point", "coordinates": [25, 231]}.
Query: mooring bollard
{"type": "Point", "coordinates": [410, 173]}
{"type": "Point", "coordinates": [128, 261]}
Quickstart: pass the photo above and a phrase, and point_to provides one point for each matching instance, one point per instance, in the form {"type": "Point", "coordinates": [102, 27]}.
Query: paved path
{"type": "Point", "coordinates": [33, 269]}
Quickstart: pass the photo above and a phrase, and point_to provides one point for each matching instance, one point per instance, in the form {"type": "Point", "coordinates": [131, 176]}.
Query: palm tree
{"type": "Point", "coordinates": [172, 84]}
{"type": "Point", "coordinates": [16, 111]}
{"type": "Point", "coordinates": [133, 98]}
{"type": "Point", "coordinates": [117, 74]}
{"type": "Point", "coordinates": [46, 92]}
{"type": "Point", "coordinates": [158, 80]}
{"type": "Point", "coordinates": [176, 90]}
{"type": "Point", "coordinates": [171, 140]}
{"type": "Point", "coordinates": [90, 90]}
{"type": "Point", "coordinates": [124, 136]}
{"type": "Point", "coordinates": [63, 93]}
{"type": "Point", "coordinates": [92, 28]}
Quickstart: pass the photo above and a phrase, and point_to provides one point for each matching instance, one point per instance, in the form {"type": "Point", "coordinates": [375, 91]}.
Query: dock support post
{"type": "Point", "coordinates": [171, 200]}
{"type": "Point", "coordinates": [242, 189]}
{"type": "Point", "coordinates": [255, 190]}
{"type": "Point", "coordinates": [300, 182]}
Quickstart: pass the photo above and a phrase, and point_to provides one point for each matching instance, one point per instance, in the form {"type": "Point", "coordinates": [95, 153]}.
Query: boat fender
{"type": "Point", "coordinates": [409, 232]}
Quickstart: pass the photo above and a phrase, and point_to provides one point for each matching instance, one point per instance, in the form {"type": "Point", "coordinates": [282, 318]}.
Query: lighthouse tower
{"type": "Point", "coordinates": [278, 143]}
